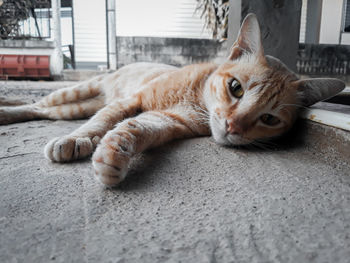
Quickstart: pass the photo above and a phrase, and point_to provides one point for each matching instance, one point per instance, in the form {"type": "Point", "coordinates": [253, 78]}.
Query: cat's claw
{"type": "Point", "coordinates": [65, 149]}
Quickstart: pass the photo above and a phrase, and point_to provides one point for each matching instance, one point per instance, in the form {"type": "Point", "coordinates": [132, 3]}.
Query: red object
{"type": "Point", "coordinates": [24, 66]}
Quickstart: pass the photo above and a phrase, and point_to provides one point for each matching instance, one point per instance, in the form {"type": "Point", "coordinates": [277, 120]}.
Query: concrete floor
{"type": "Point", "coordinates": [189, 201]}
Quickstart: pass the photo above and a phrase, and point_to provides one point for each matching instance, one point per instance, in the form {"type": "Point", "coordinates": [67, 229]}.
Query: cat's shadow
{"type": "Point", "coordinates": [141, 173]}
{"type": "Point", "coordinates": [141, 169]}
{"type": "Point", "coordinates": [294, 138]}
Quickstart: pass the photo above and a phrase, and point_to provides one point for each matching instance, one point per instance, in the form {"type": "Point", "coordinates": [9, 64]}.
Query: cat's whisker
{"type": "Point", "coordinates": [267, 141]}
{"type": "Point", "coordinates": [296, 105]}
{"type": "Point", "coordinates": [262, 147]}
{"type": "Point", "coordinates": [264, 144]}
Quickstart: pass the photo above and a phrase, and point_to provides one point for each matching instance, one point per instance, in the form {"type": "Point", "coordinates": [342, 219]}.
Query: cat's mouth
{"type": "Point", "coordinates": [237, 140]}
{"type": "Point", "coordinates": [231, 140]}
{"type": "Point", "coordinates": [222, 137]}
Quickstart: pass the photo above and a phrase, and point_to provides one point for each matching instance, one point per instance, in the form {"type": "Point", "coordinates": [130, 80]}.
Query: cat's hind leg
{"type": "Point", "coordinates": [76, 102]}
{"type": "Point", "coordinates": [82, 142]}
{"type": "Point", "coordinates": [69, 111]}
{"type": "Point", "coordinates": [14, 114]}
{"type": "Point", "coordinates": [134, 135]}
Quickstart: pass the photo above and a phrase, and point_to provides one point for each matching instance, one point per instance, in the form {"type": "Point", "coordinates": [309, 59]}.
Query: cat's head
{"type": "Point", "coordinates": [252, 96]}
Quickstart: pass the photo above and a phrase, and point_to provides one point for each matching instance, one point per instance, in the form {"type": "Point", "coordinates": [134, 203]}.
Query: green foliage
{"type": "Point", "coordinates": [14, 11]}
{"type": "Point", "coordinates": [11, 13]}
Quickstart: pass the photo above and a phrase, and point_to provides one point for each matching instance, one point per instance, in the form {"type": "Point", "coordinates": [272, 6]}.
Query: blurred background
{"type": "Point", "coordinates": [176, 32]}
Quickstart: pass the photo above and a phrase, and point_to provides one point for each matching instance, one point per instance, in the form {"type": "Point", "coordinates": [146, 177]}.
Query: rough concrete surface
{"type": "Point", "coordinates": [188, 201]}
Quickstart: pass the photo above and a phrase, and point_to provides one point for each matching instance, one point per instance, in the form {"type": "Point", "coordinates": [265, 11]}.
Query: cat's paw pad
{"type": "Point", "coordinates": [110, 165]}
{"type": "Point", "coordinates": [64, 149]}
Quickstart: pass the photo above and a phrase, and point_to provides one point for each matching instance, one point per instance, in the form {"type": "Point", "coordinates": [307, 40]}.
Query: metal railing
{"type": "Point", "coordinates": [68, 57]}
{"type": "Point", "coordinates": [319, 59]}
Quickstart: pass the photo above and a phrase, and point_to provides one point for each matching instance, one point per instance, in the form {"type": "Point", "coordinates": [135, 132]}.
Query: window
{"type": "Point", "coordinates": [160, 18]}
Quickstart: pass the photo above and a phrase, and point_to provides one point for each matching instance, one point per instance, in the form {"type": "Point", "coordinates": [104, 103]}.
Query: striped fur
{"type": "Point", "coordinates": [144, 105]}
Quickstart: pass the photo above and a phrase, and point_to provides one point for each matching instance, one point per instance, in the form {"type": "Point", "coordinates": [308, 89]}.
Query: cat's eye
{"type": "Point", "coordinates": [269, 119]}
{"type": "Point", "coordinates": [236, 89]}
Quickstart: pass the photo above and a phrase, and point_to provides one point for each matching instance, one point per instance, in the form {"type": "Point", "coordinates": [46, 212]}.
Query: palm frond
{"type": "Point", "coordinates": [215, 15]}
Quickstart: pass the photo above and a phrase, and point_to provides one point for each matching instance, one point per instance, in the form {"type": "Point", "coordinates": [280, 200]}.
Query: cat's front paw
{"type": "Point", "coordinates": [107, 174]}
{"type": "Point", "coordinates": [110, 162]}
{"type": "Point", "coordinates": [68, 148]}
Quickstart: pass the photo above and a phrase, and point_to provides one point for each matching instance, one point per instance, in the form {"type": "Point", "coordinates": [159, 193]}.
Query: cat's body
{"type": "Point", "coordinates": [250, 97]}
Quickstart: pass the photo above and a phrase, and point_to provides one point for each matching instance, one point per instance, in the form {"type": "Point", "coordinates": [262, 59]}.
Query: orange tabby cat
{"type": "Point", "coordinates": [143, 105]}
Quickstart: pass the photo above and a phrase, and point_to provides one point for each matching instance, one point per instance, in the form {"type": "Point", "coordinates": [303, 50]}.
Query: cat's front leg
{"type": "Point", "coordinates": [132, 136]}
{"type": "Point", "coordinates": [82, 142]}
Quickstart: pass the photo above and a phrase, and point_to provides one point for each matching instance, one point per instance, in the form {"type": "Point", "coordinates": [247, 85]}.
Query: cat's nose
{"type": "Point", "coordinates": [232, 127]}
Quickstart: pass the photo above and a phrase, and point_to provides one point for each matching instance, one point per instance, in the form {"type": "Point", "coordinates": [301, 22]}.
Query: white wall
{"type": "Point", "coordinates": [66, 27]}
{"type": "Point", "coordinates": [303, 22]}
{"type": "Point", "coordinates": [331, 21]}
{"type": "Point", "coordinates": [159, 18]}
{"type": "Point", "coordinates": [345, 39]}
{"type": "Point", "coordinates": [90, 30]}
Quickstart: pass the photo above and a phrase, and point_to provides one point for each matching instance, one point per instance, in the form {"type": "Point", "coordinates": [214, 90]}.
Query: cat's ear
{"type": "Point", "coordinates": [248, 40]}
{"type": "Point", "coordinates": [315, 90]}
